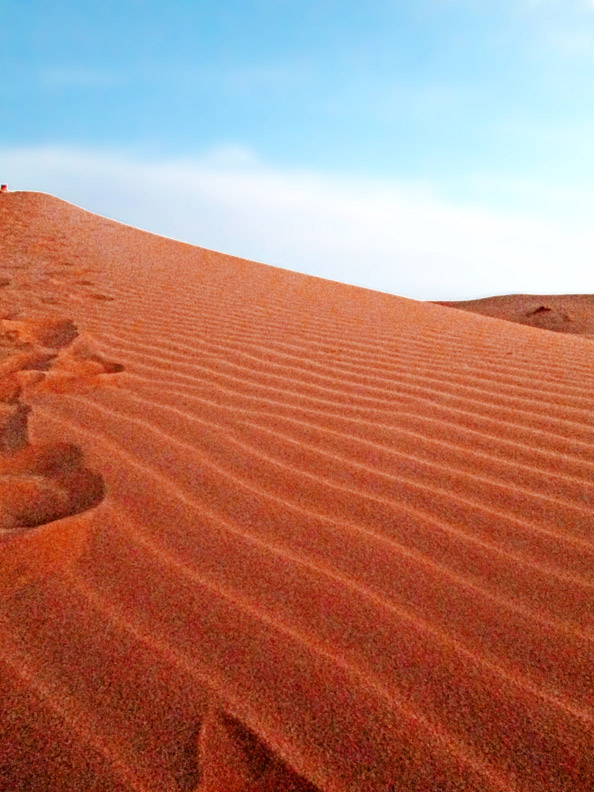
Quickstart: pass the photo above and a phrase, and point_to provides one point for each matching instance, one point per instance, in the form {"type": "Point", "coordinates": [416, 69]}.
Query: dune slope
{"type": "Point", "coordinates": [260, 531]}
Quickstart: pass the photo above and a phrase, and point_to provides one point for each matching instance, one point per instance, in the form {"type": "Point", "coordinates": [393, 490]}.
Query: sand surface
{"type": "Point", "coordinates": [260, 531]}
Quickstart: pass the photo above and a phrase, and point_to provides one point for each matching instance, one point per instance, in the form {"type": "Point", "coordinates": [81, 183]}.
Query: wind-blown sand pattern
{"type": "Point", "coordinates": [261, 531]}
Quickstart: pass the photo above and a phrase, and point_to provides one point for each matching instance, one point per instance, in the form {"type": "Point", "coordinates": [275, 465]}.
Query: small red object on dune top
{"type": "Point", "coordinates": [3, 187]}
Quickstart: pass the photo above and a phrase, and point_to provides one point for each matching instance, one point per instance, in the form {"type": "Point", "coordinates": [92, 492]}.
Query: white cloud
{"type": "Point", "coordinates": [391, 236]}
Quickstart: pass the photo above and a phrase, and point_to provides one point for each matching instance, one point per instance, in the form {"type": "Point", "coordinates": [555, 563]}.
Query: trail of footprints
{"type": "Point", "coordinates": [40, 483]}
{"type": "Point", "coordinates": [51, 282]}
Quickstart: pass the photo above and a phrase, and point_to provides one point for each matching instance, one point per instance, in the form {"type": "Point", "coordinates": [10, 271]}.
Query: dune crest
{"type": "Point", "coordinates": [262, 531]}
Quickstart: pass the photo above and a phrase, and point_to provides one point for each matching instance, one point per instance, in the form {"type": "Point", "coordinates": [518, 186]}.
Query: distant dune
{"type": "Point", "coordinates": [561, 313]}
{"type": "Point", "coordinates": [261, 531]}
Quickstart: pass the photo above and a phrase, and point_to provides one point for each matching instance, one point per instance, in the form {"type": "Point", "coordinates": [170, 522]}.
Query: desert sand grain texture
{"type": "Point", "coordinates": [261, 531]}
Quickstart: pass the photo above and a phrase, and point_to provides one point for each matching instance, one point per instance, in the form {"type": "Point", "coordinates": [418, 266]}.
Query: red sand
{"type": "Point", "coordinates": [260, 531]}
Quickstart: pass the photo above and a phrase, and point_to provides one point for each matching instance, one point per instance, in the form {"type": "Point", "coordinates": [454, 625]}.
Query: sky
{"type": "Point", "coordinates": [437, 149]}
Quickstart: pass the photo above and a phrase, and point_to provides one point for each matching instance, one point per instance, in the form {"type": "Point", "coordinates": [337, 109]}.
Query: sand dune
{"type": "Point", "coordinates": [260, 531]}
{"type": "Point", "coordinates": [561, 313]}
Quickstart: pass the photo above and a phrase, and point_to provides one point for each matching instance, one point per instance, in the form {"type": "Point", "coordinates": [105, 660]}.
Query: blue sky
{"type": "Point", "coordinates": [434, 148]}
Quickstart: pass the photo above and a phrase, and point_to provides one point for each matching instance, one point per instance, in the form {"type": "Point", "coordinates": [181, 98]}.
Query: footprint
{"type": "Point", "coordinates": [10, 389]}
{"type": "Point", "coordinates": [40, 484]}
{"type": "Point", "coordinates": [29, 359]}
{"type": "Point", "coordinates": [106, 366]}
{"type": "Point", "coordinates": [102, 297]}
{"type": "Point", "coordinates": [28, 501]}
{"type": "Point", "coordinates": [52, 333]}
{"type": "Point", "coordinates": [48, 355]}
{"type": "Point", "coordinates": [4, 282]}
{"type": "Point", "coordinates": [13, 426]}
{"type": "Point", "coordinates": [232, 758]}
{"type": "Point", "coordinates": [47, 459]}
{"type": "Point", "coordinates": [85, 489]}
{"type": "Point", "coordinates": [82, 357]}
